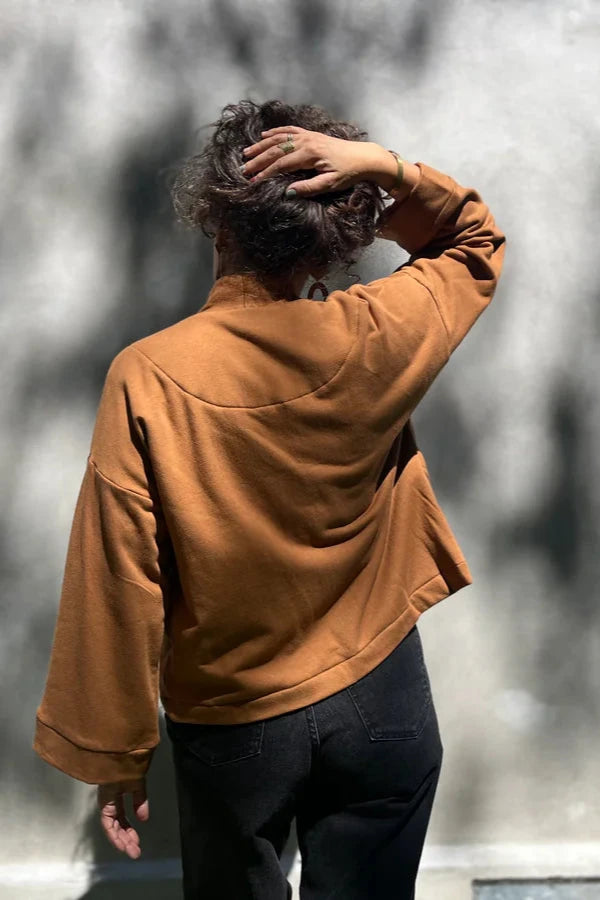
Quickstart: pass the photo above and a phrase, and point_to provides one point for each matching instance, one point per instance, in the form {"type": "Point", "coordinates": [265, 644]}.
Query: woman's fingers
{"type": "Point", "coordinates": [272, 138]}
{"type": "Point", "coordinates": [114, 822]}
{"type": "Point", "coordinates": [269, 153]}
{"type": "Point", "coordinates": [281, 129]}
{"type": "Point", "coordinates": [320, 184]}
{"type": "Point", "coordinates": [141, 804]}
{"type": "Point", "coordinates": [274, 164]}
{"type": "Point", "coordinates": [121, 835]}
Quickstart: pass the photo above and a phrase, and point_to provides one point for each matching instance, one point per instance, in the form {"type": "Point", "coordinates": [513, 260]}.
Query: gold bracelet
{"type": "Point", "coordinates": [400, 173]}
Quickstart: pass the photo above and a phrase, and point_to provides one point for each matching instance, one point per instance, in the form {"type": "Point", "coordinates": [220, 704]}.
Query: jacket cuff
{"type": "Point", "coordinates": [413, 221]}
{"type": "Point", "coordinates": [91, 766]}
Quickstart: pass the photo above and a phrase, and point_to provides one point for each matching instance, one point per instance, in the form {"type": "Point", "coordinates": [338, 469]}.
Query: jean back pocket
{"type": "Point", "coordinates": [393, 699]}
{"type": "Point", "coordinates": [216, 745]}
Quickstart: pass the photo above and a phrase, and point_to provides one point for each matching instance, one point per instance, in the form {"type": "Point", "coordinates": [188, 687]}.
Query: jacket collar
{"type": "Point", "coordinates": [242, 289]}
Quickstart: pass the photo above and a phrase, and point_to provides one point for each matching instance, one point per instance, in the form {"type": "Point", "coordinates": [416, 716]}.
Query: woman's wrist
{"type": "Point", "coordinates": [385, 174]}
{"type": "Point", "coordinates": [383, 169]}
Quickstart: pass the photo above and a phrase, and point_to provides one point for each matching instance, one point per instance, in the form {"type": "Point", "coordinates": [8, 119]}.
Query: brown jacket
{"type": "Point", "coordinates": [256, 528]}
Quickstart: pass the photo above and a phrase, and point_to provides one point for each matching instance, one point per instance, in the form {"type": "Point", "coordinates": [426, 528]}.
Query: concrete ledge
{"type": "Point", "coordinates": [446, 871]}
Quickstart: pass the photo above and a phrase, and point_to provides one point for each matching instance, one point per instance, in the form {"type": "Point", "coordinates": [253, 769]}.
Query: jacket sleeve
{"type": "Point", "coordinates": [415, 317]}
{"type": "Point", "coordinates": [98, 717]}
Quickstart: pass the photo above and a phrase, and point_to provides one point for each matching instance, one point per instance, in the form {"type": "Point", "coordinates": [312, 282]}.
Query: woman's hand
{"type": "Point", "coordinates": [111, 803]}
{"type": "Point", "coordinates": [341, 163]}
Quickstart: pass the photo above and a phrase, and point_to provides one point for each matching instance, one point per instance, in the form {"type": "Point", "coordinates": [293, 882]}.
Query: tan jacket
{"type": "Point", "coordinates": [256, 528]}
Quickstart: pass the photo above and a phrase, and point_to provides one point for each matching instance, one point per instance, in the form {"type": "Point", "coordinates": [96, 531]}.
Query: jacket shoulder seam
{"type": "Point", "coordinates": [261, 405]}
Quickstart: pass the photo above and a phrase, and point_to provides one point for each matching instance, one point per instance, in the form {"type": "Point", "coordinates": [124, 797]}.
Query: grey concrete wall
{"type": "Point", "coordinates": [97, 98]}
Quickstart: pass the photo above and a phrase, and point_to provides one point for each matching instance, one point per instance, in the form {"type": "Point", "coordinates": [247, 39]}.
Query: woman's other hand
{"type": "Point", "coordinates": [111, 803]}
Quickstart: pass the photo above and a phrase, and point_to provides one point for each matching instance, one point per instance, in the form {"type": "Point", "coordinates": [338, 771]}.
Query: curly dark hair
{"type": "Point", "coordinates": [273, 235]}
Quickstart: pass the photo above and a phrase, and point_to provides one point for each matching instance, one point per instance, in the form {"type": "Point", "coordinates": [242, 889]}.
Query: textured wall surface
{"type": "Point", "coordinates": [97, 100]}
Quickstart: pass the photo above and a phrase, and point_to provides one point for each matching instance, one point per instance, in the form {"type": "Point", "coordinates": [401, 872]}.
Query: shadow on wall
{"type": "Point", "coordinates": [562, 528]}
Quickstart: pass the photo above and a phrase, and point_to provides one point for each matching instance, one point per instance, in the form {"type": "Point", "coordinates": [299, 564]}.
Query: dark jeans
{"type": "Point", "coordinates": [358, 770]}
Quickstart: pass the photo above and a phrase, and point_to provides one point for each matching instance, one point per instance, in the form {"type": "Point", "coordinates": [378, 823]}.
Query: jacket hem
{"type": "Point", "coordinates": [336, 678]}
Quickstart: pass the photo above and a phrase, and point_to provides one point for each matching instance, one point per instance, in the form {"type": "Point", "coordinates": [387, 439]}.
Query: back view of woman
{"type": "Point", "coordinates": [256, 534]}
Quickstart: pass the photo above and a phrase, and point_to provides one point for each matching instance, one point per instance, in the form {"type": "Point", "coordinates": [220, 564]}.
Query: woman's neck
{"type": "Point", "coordinates": [288, 288]}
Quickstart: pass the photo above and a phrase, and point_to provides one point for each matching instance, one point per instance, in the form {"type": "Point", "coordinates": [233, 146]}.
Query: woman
{"type": "Point", "coordinates": [256, 534]}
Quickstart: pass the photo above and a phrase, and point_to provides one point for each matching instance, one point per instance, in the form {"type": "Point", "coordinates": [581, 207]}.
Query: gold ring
{"type": "Point", "coordinates": [288, 146]}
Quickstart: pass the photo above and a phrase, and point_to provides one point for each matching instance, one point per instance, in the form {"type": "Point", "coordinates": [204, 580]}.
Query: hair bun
{"type": "Point", "coordinates": [271, 234]}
